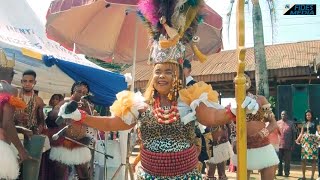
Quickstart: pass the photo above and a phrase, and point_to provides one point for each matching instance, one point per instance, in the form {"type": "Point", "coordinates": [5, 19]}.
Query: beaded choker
{"type": "Point", "coordinates": [167, 115]}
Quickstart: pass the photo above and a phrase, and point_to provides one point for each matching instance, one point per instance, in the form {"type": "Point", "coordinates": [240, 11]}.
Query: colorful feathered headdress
{"type": "Point", "coordinates": [172, 25]}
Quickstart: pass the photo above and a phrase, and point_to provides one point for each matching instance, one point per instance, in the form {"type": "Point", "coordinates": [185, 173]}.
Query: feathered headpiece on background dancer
{"type": "Point", "coordinates": [172, 24]}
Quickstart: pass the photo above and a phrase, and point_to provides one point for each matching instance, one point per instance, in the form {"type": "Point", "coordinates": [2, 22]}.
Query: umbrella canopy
{"type": "Point", "coordinates": [105, 29]}
{"type": "Point", "coordinates": [23, 38]}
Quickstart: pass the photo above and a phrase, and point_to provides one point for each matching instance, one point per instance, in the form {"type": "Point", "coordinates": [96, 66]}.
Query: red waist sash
{"type": "Point", "coordinates": [169, 164]}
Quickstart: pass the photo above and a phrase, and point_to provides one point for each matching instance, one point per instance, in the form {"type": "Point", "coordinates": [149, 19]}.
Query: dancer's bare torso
{"type": "Point", "coordinates": [254, 127]}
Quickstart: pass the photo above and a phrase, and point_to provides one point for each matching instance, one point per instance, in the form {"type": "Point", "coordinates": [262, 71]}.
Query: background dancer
{"type": "Point", "coordinates": [221, 152]}
{"type": "Point", "coordinates": [8, 134]}
{"type": "Point", "coordinates": [65, 152]}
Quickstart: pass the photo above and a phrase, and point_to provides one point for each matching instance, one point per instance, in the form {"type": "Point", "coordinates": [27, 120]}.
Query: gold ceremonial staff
{"type": "Point", "coordinates": [240, 93]}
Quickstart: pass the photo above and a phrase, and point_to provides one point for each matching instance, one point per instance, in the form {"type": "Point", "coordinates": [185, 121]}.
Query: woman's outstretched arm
{"type": "Point", "coordinates": [212, 117]}
{"type": "Point", "coordinates": [107, 123]}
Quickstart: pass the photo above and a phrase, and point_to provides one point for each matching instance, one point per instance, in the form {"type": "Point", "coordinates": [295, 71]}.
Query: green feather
{"type": "Point", "coordinates": [200, 18]}
{"type": "Point", "coordinates": [152, 31]}
{"type": "Point", "coordinates": [193, 2]}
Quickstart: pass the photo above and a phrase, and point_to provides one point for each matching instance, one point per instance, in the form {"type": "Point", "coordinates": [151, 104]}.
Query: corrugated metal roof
{"type": "Point", "coordinates": [223, 65]}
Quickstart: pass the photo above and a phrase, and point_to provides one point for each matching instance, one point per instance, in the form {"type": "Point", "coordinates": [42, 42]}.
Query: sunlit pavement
{"type": "Point", "coordinates": [295, 172]}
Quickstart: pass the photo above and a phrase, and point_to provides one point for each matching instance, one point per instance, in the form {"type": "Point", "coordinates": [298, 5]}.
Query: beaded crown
{"type": "Point", "coordinates": [172, 25]}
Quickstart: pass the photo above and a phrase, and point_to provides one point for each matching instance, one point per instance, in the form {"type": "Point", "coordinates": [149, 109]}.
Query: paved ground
{"type": "Point", "coordinates": [295, 174]}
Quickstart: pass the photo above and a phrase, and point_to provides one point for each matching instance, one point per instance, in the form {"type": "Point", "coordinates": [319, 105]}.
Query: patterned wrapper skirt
{"type": "Point", "coordinates": [309, 146]}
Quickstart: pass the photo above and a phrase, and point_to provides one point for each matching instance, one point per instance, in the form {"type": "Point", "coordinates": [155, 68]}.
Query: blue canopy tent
{"type": "Point", "coordinates": [103, 85]}
{"type": "Point", "coordinates": [50, 80]}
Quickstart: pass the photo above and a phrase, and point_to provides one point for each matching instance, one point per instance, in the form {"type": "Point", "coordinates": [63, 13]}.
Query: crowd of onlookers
{"type": "Point", "coordinates": [287, 136]}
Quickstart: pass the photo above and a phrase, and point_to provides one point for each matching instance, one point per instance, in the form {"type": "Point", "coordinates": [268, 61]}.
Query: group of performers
{"type": "Point", "coordinates": [20, 113]}
{"type": "Point", "coordinates": [166, 115]}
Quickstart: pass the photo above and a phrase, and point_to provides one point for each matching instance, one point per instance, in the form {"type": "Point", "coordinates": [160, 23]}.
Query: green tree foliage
{"type": "Point", "coordinates": [114, 67]}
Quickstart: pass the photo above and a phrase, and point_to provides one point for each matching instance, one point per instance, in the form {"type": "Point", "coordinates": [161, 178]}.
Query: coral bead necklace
{"type": "Point", "coordinates": [166, 115]}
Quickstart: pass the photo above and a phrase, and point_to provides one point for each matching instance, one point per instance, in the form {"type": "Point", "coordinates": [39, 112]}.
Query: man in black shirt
{"type": "Point", "coordinates": [187, 71]}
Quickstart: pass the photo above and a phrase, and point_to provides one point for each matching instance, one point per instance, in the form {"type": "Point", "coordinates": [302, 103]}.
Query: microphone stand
{"type": "Point", "coordinates": [93, 149]}
{"type": "Point", "coordinates": [127, 165]}
{"type": "Point", "coordinates": [87, 98]}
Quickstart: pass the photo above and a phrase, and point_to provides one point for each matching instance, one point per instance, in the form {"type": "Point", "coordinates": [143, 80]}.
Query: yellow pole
{"type": "Point", "coordinates": [240, 89]}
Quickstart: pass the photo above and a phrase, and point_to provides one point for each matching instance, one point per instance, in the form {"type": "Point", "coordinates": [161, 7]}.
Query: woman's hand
{"type": "Point", "coordinates": [143, 107]}
{"type": "Point", "coordinates": [298, 141]}
{"type": "Point", "coordinates": [234, 147]}
{"type": "Point", "coordinates": [75, 115]}
{"type": "Point", "coordinates": [23, 156]}
{"type": "Point", "coordinates": [251, 105]}
{"type": "Point", "coordinates": [27, 133]}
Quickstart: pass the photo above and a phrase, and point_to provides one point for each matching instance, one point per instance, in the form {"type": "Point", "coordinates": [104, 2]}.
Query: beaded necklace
{"type": "Point", "coordinates": [31, 109]}
{"type": "Point", "coordinates": [166, 115]}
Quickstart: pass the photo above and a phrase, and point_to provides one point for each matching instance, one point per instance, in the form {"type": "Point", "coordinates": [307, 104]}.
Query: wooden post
{"type": "Point", "coordinates": [240, 93]}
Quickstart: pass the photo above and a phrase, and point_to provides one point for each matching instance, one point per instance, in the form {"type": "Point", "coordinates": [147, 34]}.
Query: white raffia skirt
{"type": "Point", "coordinates": [221, 153]}
{"type": "Point", "coordinates": [259, 158]}
{"type": "Point", "coordinates": [9, 167]}
{"type": "Point", "coordinates": [75, 156]}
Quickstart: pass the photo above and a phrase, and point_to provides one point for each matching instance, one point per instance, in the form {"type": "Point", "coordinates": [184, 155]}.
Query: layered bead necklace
{"type": "Point", "coordinates": [165, 115]}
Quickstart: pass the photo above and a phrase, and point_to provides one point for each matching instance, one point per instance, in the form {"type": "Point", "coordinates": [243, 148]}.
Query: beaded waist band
{"type": "Point", "coordinates": [258, 144]}
{"type": "Point", "coordinates": [169, 164]}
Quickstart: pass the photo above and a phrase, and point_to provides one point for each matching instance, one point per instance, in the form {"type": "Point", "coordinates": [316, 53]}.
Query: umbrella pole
{"type": "Point", "coordinates": [129, 150]}
{"type": "Point", "coordinates": [134, 54]}
{"type": "Point", "coordinates": [105, 174]}
{"type": "Point", "coordinates": [125, 145]}
{"type": "Point", "coordinates": [240, 90]}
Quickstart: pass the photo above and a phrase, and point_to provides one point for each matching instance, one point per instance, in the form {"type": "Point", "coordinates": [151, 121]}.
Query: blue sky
{"type": "Point", "coordinates": [287, 28]}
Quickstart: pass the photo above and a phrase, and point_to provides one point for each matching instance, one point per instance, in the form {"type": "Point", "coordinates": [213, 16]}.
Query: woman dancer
{"type": "Point", "coordinates": [221, 152]}
{"type": "Point", "coordinates": [9, 168]}
{"type": "Point", "coordinates": [166, 116]}
{"type": "Point", "coordinates": [261, 155]}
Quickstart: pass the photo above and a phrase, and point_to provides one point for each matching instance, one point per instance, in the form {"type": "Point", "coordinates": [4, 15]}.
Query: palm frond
{"type": "Point", "coordinates": [229, 18]}
{"type": "Point", "coordinates": [273, 19]}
